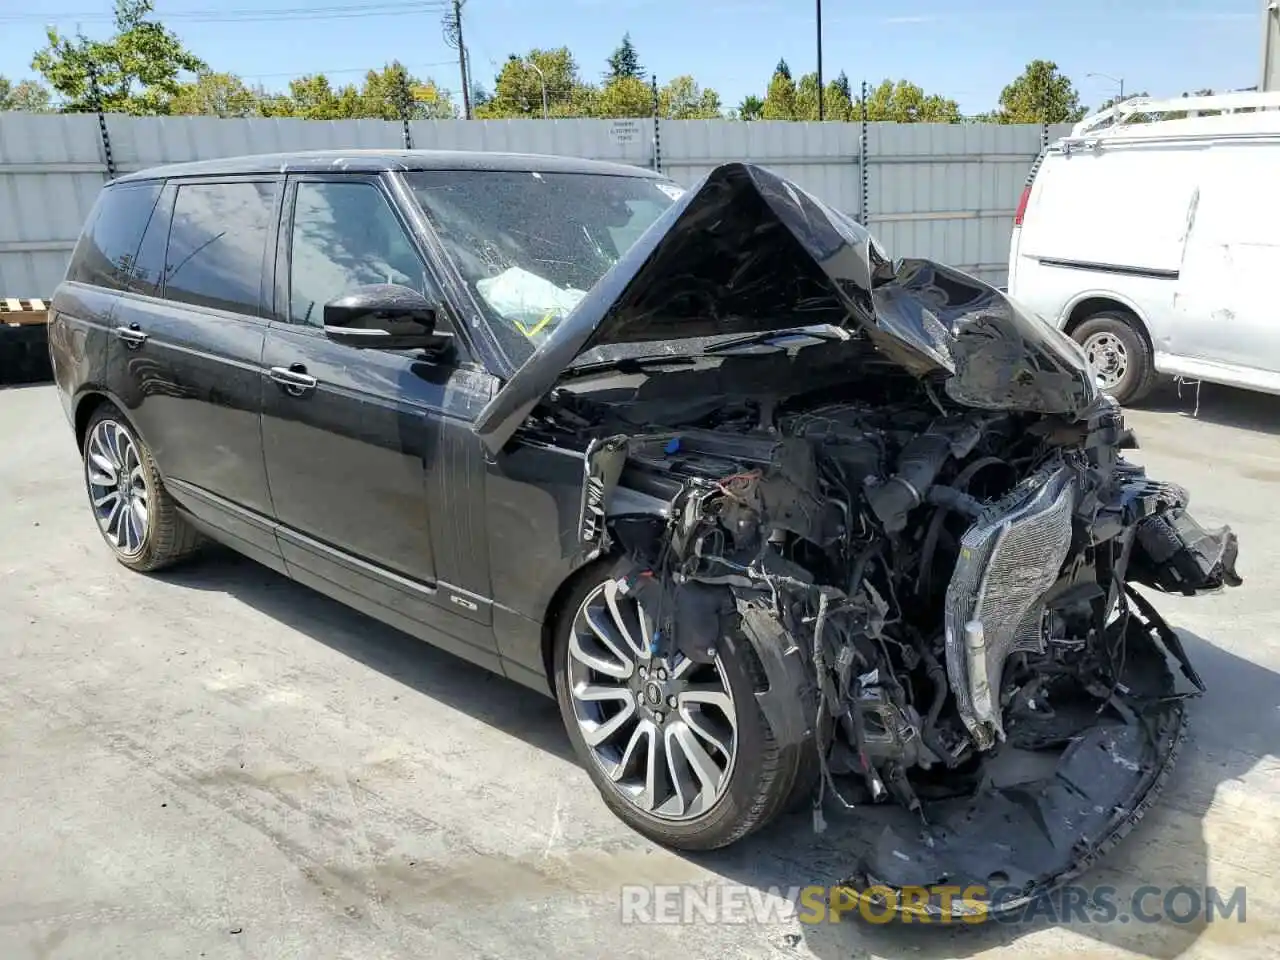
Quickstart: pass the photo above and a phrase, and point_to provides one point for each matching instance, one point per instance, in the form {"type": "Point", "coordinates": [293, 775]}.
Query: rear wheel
{"type": "Point", "coordinates": [679, 750]}
{"type": "Point", "coordinates": [1119, 354]}
{"type": "Point", "coordinates": [136, 516]}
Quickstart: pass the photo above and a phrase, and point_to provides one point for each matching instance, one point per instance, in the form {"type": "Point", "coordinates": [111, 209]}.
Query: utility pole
{"type": "Point", "coordinates": [820, 110]}
{"type": "Point", "coordinates": [454, 30]}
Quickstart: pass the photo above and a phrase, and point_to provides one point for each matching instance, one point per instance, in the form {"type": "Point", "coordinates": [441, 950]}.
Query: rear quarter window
{"type": "Point", "coordinates": [108, 247]}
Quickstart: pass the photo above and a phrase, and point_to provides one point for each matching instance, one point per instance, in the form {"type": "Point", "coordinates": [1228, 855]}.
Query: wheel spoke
{"type": "Point", "coordinates": [106, 498]}
{"type": "Point", "coordinates": [643, 732]}
{"type": "Point", "coordinates": [638, 640]}
{"type": "Point", "coordinates": [598, 692]}
{"type": "Point", "coordinates": [618, 669]}
{"type": "Point", "coordinates": [598, 733]}
{"type": "Point", "coordinates": [682, 745]}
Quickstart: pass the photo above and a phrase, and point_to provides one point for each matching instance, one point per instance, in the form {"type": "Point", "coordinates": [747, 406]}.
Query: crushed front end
{"type": "Point", "coordinates": [944, 605]}
{"type": "Point", "coordinates": [909, 499]}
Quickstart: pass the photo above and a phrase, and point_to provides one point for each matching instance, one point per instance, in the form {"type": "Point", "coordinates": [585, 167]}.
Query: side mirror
{"type": "Point", "coordinates": [383, 316]}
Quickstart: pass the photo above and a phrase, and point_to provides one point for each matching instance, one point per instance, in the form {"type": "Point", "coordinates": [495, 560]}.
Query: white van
{"type": "Point", "coordinates": [1156, 244]}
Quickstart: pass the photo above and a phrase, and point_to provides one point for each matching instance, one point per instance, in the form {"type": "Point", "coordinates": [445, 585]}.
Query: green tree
{"type": "Point", "coordinates": [751, 108]}
{"type": "Point", "coordinates": [625, 97]}
{"type": "Point", "coordinates": [837, 100]}
{"type": "Point", "coordinates": [904, 102]}
{"type": "Point", "coordinates": [391, 91]}
{"type": "Point", "coordinates": [624, 62]}
{"type": "Point", "coordinates": [314, 98]}
{"type": "Point", "coordinates": [215, 95]}
{"type": "Point", "coordinates": [518, 88]}
{"type": "Point", "coordinates": [27, 96]}
{"type": "Point", "coordinates": [1040, 95]}
{"type": "Point", "coordinates": [780, 98]}
{"type": "Point", "coordinates": [807, 97]}
{"type": "Point", "coordinates": [683, 99]}
{"type": "Point", "coordinates": [138, 70]}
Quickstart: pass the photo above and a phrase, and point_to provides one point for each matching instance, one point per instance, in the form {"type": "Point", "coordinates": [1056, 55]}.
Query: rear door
{"type": "Point", "coordinates": [376, 478]}
{"type": "Point", "coordinates": [191, 329]}
{"type": "Point", "coordinates": [82, 347]}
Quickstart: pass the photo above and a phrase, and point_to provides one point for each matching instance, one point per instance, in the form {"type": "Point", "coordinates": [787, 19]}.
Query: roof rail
{"type": "Point", "coordinates": [1227, 102]}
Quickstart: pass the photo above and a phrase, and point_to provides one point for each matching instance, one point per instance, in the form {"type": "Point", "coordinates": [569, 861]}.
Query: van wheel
{"type": "Point", "coordinates": [680, 751]}
{"type": "Point", "coordinates": [136, 516]}
{"type": "Point", "coordinates": [1119, 355]}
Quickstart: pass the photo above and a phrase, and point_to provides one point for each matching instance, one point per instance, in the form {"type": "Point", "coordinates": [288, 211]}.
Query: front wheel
{"type": "Point", "coordinates": [136, 516]}
{"type": "Point", "coordinates": [679, 750]}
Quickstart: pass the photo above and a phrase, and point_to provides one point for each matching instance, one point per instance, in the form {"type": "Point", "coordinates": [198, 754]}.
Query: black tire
{"type": "Point", "coordinates": [167, 538]}
{"type": "Point", "coordinates": [763, 775]}
{"type": "Point", "coordinates": [1140, 376]}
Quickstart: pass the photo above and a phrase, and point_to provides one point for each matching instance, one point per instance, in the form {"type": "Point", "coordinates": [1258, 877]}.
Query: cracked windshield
{"type": "Point", "coordinates": [530, 245]}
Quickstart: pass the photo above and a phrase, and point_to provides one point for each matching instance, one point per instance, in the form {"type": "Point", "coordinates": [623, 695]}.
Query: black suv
{"type": "Point", "coordinates": [775, 518]}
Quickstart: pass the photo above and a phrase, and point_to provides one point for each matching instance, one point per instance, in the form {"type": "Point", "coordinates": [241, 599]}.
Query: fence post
{"type": "Point", "coordinates": [863, 152]}
{"type": "Point", "coordinates": [102, 124]}
{"type": "Point", "coordinates": [657, 125]}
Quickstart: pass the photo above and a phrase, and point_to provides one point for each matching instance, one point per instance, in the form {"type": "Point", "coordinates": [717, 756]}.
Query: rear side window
{"type": "Point", "coordinates": [216, 245]}
{"type": "Point", "coordinates": [108, 247]}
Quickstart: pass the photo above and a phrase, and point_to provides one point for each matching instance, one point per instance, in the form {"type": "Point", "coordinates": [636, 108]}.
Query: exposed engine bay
{"type": "Point", "coordinates": [948, 591]}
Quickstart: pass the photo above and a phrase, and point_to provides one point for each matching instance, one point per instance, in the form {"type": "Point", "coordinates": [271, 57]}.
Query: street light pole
{"type": "Point", "coordinates": [820, 105]}
{"type": "Point", "coordinates": [542, 77]}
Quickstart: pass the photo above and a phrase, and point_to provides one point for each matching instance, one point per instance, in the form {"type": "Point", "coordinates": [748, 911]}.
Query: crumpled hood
{"type": "Point", "coordinates": [746, 252]}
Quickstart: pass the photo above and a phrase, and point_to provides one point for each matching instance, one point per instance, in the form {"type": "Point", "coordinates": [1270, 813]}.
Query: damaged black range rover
{"type": "Point", "coordinates": [779, 521]}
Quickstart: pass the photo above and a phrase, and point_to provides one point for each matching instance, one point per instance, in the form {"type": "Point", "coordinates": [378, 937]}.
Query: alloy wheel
{"type": "Point", "coordinates": [1108, 357]}
{"type": "Point", "coordinates": [664, 731]}
{"type": "Point", "coordinates": [117, 487]}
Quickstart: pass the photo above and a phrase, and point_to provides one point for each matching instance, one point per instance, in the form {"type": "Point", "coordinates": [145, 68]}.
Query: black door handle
{"type": "Point", "coordinates": [294, 379]}
{"type": "Point", "coordinates": [132, 336]}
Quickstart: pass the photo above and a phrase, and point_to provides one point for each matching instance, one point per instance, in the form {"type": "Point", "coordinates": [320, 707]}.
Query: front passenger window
{"type": "Point", "coordinates": [345, 235]}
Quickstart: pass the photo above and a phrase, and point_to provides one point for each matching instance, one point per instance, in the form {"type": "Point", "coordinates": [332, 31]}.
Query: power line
{"type": "Point", "coordinates": [344, 11]}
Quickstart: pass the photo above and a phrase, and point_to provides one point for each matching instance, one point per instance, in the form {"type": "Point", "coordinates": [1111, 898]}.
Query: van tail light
{"type": "Point", "coordinates": [1022, 206]}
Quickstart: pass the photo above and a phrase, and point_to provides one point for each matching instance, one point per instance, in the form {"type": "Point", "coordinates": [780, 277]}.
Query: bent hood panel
{"type": "Point", "coordinates": [746, 251]}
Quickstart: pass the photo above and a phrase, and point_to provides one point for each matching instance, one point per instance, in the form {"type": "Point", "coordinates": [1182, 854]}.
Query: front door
{"type": "Point", "coordinates": [190, 326]}
{"type": "Point", "coordinates": [375, 477]}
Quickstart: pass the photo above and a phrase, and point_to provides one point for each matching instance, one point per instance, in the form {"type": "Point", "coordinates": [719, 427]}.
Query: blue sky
{"type": "Point", "coordinates": [965, 49]}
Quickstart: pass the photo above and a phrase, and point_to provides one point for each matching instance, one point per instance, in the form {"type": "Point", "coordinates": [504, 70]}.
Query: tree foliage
{"type": "Point", "coordinates": [1040, 95]}
{"type": "Point", "coordinates": [27, 96]}
{"type": "Point", "coordinates": [751, 108]}
{"type": "Point", "coordinates": [904, 102]}
{"type": "Point", "coordinates": [624, 62]}
{"type": "Point", "coordinates": [215, 95]}
{"type": "Point", "coordinates": [780, 98]}
{"type": "Point", "coordinates": [683, 99]}
{"type": "Point", "coordinates": [519, 85]}
{"type": "Point", "coordinates": [144, 68]}
{"type": "Point", "coordinates": [138, 70]}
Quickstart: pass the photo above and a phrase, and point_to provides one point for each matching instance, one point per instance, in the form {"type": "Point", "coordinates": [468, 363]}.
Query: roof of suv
{"type": "Point", "coordinates": [378, 161]}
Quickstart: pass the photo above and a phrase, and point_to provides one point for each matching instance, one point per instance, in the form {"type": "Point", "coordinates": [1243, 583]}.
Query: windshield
{"type": "Point", "coordinates": [530, 245]}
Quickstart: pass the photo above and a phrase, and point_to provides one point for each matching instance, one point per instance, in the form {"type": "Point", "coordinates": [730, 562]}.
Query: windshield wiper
{"type": "Point", "coordinates": [822, 331]}
{"type": "Point", "coordinates": [630, 364]}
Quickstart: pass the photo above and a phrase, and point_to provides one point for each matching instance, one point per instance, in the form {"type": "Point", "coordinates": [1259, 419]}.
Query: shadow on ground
{"type": "Point", "coordinates": [1224, 406]}
{"type": "Point", "coordinates": [1228, 733]}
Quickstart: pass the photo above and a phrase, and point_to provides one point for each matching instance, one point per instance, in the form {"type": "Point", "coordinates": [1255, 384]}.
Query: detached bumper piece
{"type": "Point", "coordinates": [1041, 817]}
